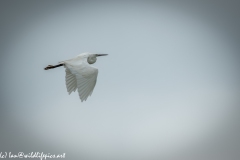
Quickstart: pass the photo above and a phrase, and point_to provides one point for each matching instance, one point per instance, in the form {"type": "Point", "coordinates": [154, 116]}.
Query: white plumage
{"type": "Point", "coordinates": [80, 74]}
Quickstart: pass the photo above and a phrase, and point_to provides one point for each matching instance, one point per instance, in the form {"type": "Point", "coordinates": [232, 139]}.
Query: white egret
{"type": "Point", "coordinates": [80, 74]}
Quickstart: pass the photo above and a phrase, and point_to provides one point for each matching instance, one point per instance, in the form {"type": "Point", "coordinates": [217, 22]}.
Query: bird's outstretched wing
{"type": "Point", "coordinates": [71, 81]}
{"type": "Point", "coordinates": [81, 76]}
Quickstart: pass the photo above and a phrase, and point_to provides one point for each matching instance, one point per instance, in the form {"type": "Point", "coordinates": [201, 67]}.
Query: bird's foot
{"type": "Point", "coordinates": [48, 67]}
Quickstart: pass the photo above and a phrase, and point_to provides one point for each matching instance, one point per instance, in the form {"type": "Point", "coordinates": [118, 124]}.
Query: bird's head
{"type": "Point", "coordinates": [92, 58]}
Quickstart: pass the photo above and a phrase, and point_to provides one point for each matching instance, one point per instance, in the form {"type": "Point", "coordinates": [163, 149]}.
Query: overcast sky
{"type": "Point", "coordinates": [169, 88]}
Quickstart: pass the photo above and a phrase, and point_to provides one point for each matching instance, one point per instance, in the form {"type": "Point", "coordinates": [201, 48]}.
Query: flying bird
{"type": "Point", "coordinates": [80, 74]}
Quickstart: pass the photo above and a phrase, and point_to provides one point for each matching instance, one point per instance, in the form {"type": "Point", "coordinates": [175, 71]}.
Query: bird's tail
{"type": "Point", "coordinates": [51, 66]}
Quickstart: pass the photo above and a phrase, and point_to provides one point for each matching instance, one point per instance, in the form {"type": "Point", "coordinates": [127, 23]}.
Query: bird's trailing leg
{"type": "Point", "coordinates": [51, 67]}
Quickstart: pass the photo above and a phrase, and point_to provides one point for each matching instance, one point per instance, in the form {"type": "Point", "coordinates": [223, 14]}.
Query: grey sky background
{"type": "Point", "coordinates": [168, 90]}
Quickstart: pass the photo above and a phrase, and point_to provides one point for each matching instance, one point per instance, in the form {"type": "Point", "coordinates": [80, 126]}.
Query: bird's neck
{"type": "Point", "coordinates": [91, 59]}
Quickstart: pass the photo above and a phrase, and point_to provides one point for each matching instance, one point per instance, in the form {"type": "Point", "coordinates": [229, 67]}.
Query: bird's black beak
{"type": "Point", "coordinates": [102, 55]}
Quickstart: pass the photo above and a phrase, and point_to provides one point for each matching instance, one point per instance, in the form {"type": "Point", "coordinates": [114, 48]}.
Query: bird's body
{"type": "Point", "coordinates": [80, 74]}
